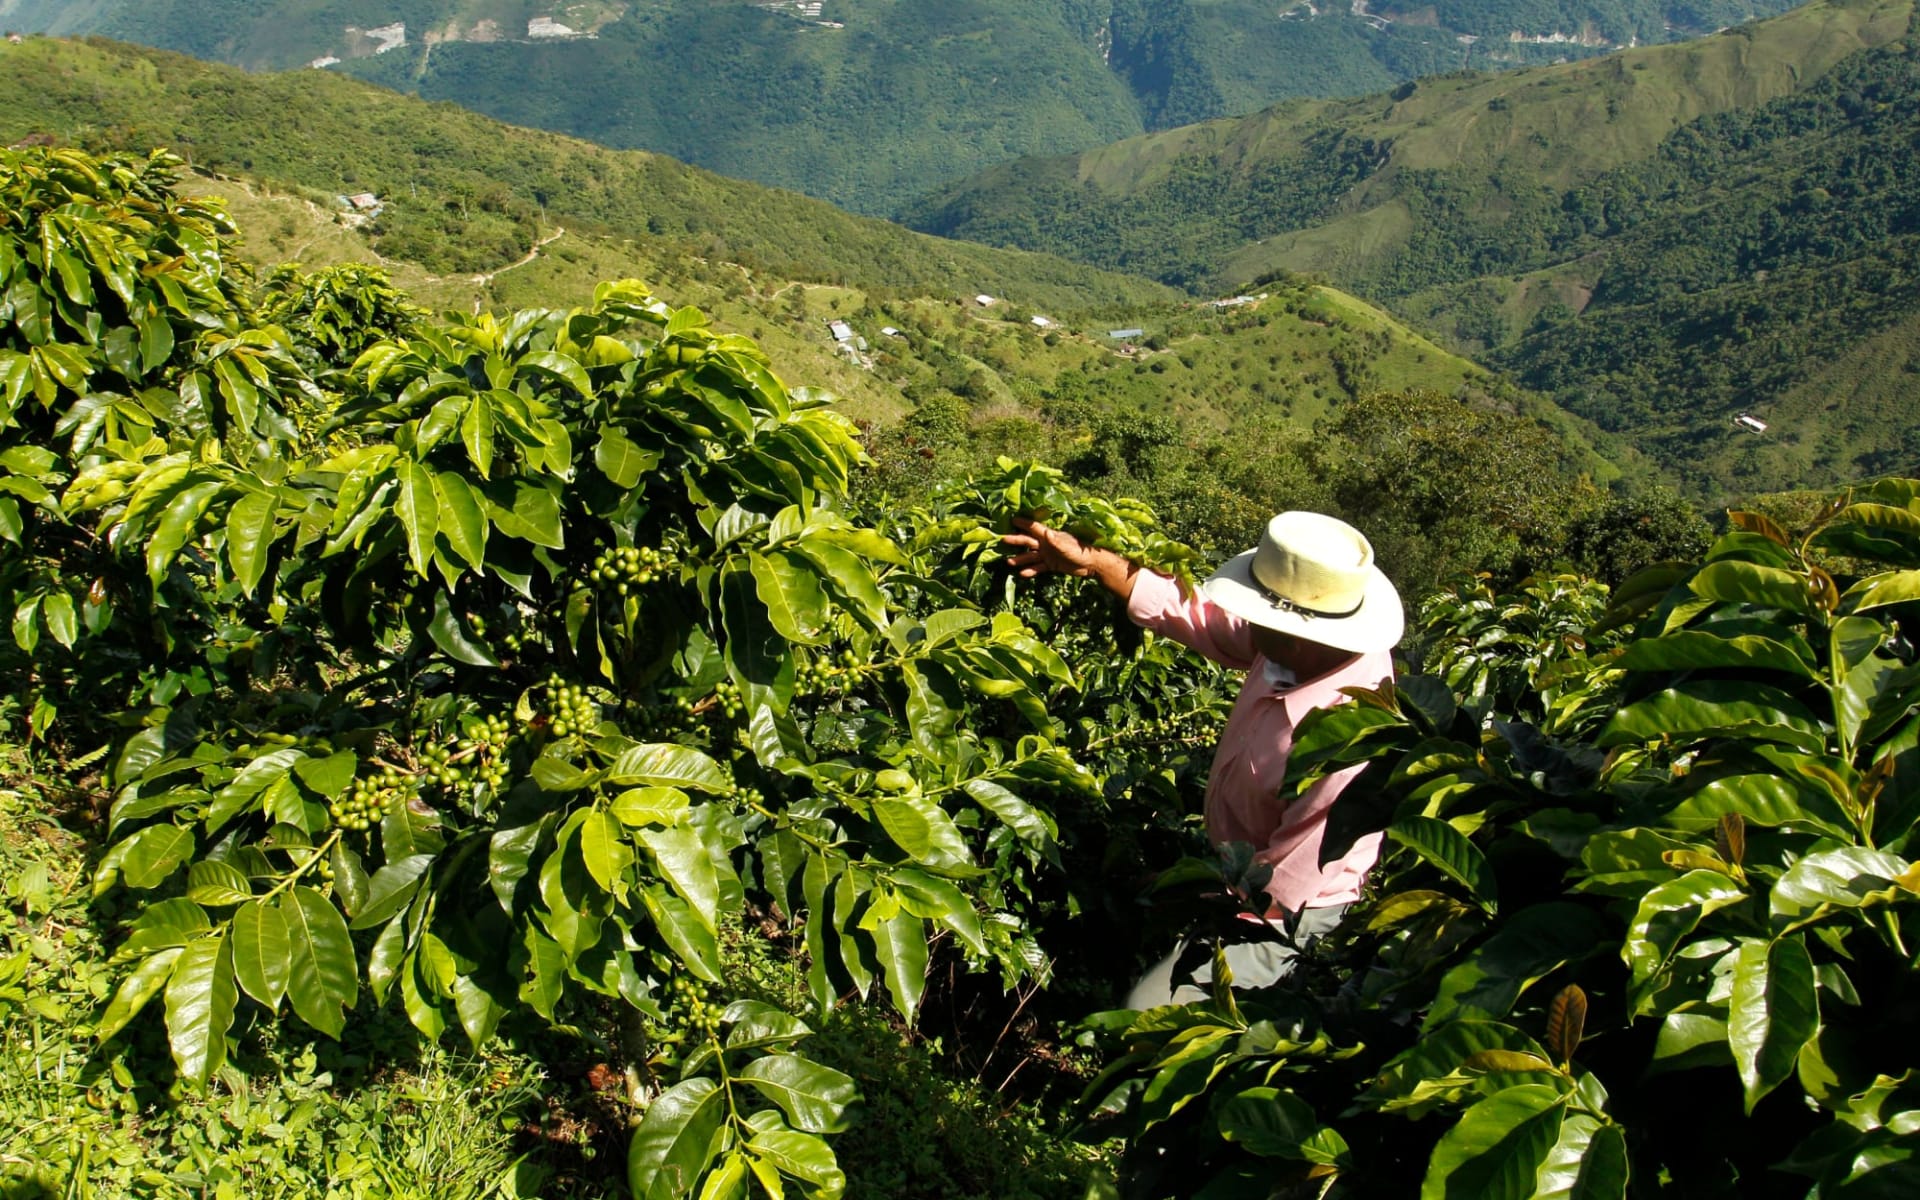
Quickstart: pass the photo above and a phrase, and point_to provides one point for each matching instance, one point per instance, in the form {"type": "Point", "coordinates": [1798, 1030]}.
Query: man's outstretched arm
{"type": "Point", "coordinates": [1043, 550]}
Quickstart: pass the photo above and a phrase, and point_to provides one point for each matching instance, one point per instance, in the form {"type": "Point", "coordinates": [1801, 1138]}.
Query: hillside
{"type": "Point", "coordinates": [870, 103]}
{"type": "Point", "coordinates": [1353, 187]}
{"type": "Point", "coordinates": [462, 192]}
{"type": "Point", "coordinates": [464, 227]}
{"type": "Point", "coordinates": [1661, 240]}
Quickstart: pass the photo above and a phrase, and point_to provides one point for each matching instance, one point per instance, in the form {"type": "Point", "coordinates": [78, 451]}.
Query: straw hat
{"type": "Point", "coordinates": [1312, 576]}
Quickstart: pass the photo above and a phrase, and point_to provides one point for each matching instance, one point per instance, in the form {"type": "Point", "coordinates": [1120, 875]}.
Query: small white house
{"type": "Point", "coordinates": [1751, 422]}
{"type": "Point", "coordinates": [1124, 335]}
{"type": "Point", "coordinates": [841, 331]}
{"type": "Point", "coordinates": [984, 300]}
{"type": "Point", "coordinates": [890, 331]}
{"type": "Point", "coordinates": [390, 37]}
{"type": "Point", "coordinates": [1040, 322]}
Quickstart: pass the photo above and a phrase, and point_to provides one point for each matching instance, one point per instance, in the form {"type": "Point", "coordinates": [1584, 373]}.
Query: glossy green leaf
{"type": "Point", "coordinates": [1271, 1123]}
{"type": "Point", "coordinates": [925, 831]}
{"type": "Point", "coordinates": [1689, 1039]}
{"type": "Point", "coordinates": [391, 887]}
{"type": "Point", "coordinates": [851, 579]}
{"type": "Point", "coordinates": [790, 589]}
{"type": "Point", "coordinates": [57, 608]}
{"type": "Point", "coordinates": [1524, 948]}
{"type": "Point", "coordinates": [682, 860]}
{"type": "Point", "coordinates": [216, 884]}
{"type": "Point", "coordinates": [250, 529]}
{"type": "Point", "coordinates": [1689, 650]}
{"type": "Point", "coordinates": [1496, 1149]}
{"type": "Point", "coordinates": [1433, 1063]}
{"type": "Point", "coordinates": [1773, 1012]}
{"type": "Point", "coordinates": [1768, 800]}
{"type": "Point", "coordinates": [200, 1001]}
{"type": "Point", "coordinates": [604, 849]}
{"type": "Point", "coordinates": [323, 980]}
{"type": "Point", "coordinates": [1749, 583]}
{"type": "Point", "coordinates": [620, 460]}
{"type": "Point", "coordinates": [1447, 849]}
{"type": "Point", "coordinates": [685, 933]}
{"type": "Point", "coordinates": [901, 946]}
{"type": "Point", "coordinates": [1669, 912]}
{"type": "Point", "coordinates": [933, 712]}
{"type": "Point", "coordinates": [141, 985]}
{"type": "Point", "coordinates": [803, 1156]}
{"type": "Point", "coordinates": [462, 517]}
{"type": "Point", "coordinates": [1587, 1162]}
{"type": "Point", "coordinates": [1033, 826]}
{"type": "Point", "coordinates": [814, 1097]}
{"type": "Point", "coordinates": [476, 433]}
{"type": "Point", "coordinates": [154, 853]}
{"type": "Point", "coordinates": [675, 1140]}
{"type": "Point", "coordinates": [1701, 708]}
{"type": "Point", "coordinates": [262, 952]}
{"type": "Point", "coordinates": [418, 511]}
{"type": "Point", "coordinates": [667, 765]}
{"type": "Point", "coordinates": [754, 1023]}
{"type": "Point", "coordinates": [561, 367]}
{"type": "Point", "coordinates": [1845, 877]}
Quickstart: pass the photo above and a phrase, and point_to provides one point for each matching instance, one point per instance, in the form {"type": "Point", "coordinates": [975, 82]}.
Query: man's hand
{"type": "Point", "coordinates": [1044, 550]}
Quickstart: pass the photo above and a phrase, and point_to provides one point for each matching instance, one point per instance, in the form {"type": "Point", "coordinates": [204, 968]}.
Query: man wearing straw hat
{"type": "Point", "coordinates": [1304, 614]}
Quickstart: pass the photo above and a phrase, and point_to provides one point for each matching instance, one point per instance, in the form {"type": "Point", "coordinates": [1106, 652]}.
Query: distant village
{"type": "Point", "coordinates": [563, 25]}
{"type": "Point", "coordinates": [855, 348]}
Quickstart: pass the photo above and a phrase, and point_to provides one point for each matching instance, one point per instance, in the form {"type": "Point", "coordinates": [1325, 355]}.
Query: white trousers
{"type": "Point", "coordinates": [1254, 964]}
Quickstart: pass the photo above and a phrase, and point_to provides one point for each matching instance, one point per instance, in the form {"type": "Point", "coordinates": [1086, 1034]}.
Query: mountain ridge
{"type": "Point", "coordinates": [868, 102]}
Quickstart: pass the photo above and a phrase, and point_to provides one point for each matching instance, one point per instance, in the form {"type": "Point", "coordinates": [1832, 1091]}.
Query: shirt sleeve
{"type": "Point", "coordinates": [1193, 621]}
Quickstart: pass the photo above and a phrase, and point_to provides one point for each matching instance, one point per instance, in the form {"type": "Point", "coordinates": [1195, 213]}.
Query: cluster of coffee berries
{"type": "Point", "coordinates": [569, 710]}
{"type": "Point", "coordinates": [690, 1002]}
{"type": "Point", "coordinates": [485, 748]}
{"type": "Point", "coordinates": [1181, 727]}
{"type": "Point", "coordinates": [831, 673]}
{"type": "Point", "coordinates": [727, 701]}
{"type": "Point", "coordinates": [673, 716]}
{"type": "Point", "coordinates": [371, 798]}
{"type": "Point", "coordinates": [628, 567]}
{"type": "Point", "coordinates": [741, 794]}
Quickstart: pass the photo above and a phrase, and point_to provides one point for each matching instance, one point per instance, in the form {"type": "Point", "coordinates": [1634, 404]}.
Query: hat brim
{"type": "Point", "coordinates": [1376, 625]}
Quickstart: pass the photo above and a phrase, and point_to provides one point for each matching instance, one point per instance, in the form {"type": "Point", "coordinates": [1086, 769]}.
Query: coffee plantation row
{"type": "Point", "coordinates": [504, 668]}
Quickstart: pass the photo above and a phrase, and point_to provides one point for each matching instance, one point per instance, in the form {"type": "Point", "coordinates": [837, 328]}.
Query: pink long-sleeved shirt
{"type": "Point", "coordinates": [1246, 801]}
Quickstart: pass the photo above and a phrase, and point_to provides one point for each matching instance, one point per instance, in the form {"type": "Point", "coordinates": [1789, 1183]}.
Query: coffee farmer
{"type": "Point", "coordinates": [1304, 614]}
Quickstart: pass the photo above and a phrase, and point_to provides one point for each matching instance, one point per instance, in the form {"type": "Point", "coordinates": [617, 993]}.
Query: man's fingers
{"type": "Point", "coordinates": [1020, 539]}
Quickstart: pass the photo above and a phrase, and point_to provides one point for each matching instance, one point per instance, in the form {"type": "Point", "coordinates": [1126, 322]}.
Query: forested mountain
{"type": "Point", "coordinates": [871, 102]}
{"type": "Point", "coordinates": [462, 192]}
{"type": "Point", "coordinates": [1662, 239]}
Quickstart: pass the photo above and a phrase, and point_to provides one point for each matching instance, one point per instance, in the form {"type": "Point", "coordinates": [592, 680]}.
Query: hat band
{"type": "Point", "coordinates": [1299, 609]}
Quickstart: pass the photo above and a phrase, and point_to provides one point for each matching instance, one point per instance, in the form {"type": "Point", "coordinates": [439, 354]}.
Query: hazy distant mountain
{"type": "Point", "coordinates": [872, 102]}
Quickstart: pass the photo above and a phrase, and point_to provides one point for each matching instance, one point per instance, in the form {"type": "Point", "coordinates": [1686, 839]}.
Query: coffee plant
{"type": "Point", "coordinates": [499, 670]}
{"type": "Point", "coordinates": [1639, 925]}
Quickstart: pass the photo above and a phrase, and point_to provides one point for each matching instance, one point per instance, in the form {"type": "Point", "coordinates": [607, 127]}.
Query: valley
{"type": "Point", "coordinates": [871, 103]}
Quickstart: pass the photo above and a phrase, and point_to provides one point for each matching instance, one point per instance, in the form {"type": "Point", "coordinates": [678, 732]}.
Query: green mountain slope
{"type": "Point", "coordinates": [870, 103]}
{"type": "Point", "coordinates": [463, 192]}
{"type": "Point", "coordinates": [481, 214]}
{"type": "Point", "coordinates": [1657, 277]}
{"type": "Point", "coordinates": [1441, 179]}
